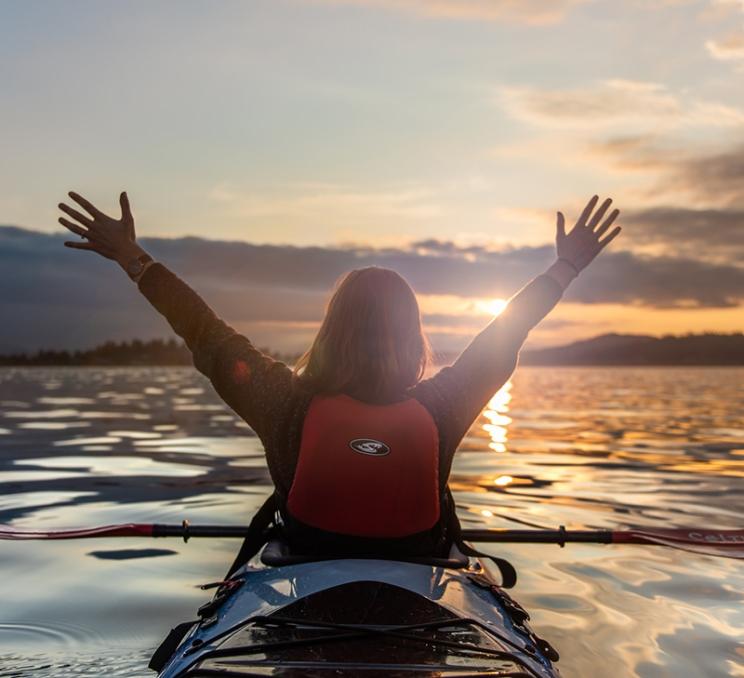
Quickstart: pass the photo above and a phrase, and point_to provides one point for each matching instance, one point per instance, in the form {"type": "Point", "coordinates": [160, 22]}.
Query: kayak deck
{"type": "Point", "coordinates": [356, 617]}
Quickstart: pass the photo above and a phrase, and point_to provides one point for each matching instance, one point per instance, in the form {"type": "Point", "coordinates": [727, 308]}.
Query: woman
{"type": "Point", "coordinates": [358, 445]}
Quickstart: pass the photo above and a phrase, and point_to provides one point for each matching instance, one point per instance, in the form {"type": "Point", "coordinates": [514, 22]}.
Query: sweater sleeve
{"type": "Point", "coordinates": [252, 383]}
{"type": "Point", "coordinates": [466, 386]}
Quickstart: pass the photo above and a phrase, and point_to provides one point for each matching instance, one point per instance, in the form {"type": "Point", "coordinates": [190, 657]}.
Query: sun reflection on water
{"type": "Point", "coordinates": [498, 421]}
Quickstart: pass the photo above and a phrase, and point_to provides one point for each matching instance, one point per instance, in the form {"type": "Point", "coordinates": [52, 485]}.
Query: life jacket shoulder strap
{"type": "Point", "coordinates": [454, 534]}
{"type": "Point", "coordinates": [260, 529]}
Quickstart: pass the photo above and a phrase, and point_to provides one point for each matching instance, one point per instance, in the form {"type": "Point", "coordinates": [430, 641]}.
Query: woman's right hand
{"type": "Point", "coordinates": [584, 242]}
{"type": "Point", "coordinates": [111, 238]}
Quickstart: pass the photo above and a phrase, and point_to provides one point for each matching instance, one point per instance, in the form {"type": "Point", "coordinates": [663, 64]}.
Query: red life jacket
{"type": "Point", "coordinates": [367, 470]}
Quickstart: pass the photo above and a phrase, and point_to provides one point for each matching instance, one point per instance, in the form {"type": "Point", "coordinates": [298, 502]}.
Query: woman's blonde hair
{"type": "Point", "coordinates": [371, 342]}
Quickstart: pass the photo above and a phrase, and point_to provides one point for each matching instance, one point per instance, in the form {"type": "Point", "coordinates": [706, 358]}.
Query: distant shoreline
{"type": "Point", "coordinates": [608, 350]}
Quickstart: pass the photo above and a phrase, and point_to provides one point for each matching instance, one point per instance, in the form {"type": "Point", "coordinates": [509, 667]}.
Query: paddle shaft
{"type": "Point", "coordinates": [713, 538]}
{"type": "Point", "coordinates": [526, 536]}
{"type": "Point", "coordinates": [662, 537]}
{"type": "Point", "coordinates": [561, 536]}
{"type": "Point", "coordinates": [512, 536]}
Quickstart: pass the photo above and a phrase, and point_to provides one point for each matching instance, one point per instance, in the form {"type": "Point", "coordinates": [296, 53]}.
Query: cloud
{"type": "Point", "coordinates": [711, 178]}
{"type": "Point", "coordinates": [635, 152]}
{"type": "Point", "coordinates": [714, 176]}
{"type": "Point", "coordinates": [727, 48]}
{"type": "Point", "coordinates": [531, 12]}
{"type": "Point", "coordinates": [660, 281]}
{"type": "Point", "coordinates": [691, 202]}
{"type": "Point", "coordinates": [57, 298]}
{"type": "Point", "coordinates": [615, 103]}
{"type": "Point", "coordinates": [298, 200]}
{"type": "Point", "coordinates": [710, 234]}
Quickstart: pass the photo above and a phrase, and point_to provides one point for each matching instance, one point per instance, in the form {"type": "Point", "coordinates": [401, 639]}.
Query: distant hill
{"type": "Point", "coordinates": [635, 349]}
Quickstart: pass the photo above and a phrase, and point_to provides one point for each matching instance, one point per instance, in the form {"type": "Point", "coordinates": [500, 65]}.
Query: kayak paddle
{"type": "Point", "coordinates": [727, 543]}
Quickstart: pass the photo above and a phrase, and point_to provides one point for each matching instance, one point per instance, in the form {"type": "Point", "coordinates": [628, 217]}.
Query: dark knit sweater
{"type": "Point", "coordinates": [267, 395]}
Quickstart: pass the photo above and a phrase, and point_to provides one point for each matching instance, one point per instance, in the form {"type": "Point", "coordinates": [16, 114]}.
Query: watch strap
{"type": "Point", "coordinates": [143, 260]}
{"type": "Point", "coordinates": [147, 265]}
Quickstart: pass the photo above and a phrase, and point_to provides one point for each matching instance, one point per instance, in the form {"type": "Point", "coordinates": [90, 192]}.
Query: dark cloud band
{"type": "Point", "coordinates": [53, 296]}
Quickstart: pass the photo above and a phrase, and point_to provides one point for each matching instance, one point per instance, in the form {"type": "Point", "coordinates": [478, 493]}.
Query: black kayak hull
{"type": "Point", "coordinates": [361, 617]}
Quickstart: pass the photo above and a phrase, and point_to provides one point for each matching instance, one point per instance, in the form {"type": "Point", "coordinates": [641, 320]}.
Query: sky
{"type": "Point", "coordinates": [436, 136]}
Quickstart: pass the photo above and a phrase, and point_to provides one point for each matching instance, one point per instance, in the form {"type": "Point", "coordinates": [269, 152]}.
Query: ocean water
{"type": "Point", "coordinates": [581, 447]}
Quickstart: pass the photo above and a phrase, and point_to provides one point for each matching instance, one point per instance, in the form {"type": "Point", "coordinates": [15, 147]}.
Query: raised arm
{"type": "Point", "coordinates": [251, 382]}
{"type": "Point", "coordinates": [575, 250]}
{"type": "Point", "coordinates": [486, 364]}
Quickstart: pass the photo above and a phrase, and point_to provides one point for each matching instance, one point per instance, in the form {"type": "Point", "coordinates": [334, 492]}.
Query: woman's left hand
{"type": "Point", "coordinates": [584, 241]}
{"type": "Point", "coordinates": [111, 238]}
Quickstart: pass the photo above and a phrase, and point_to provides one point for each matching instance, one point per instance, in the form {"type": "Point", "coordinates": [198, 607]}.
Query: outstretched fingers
{"type": "Point", "coordinates": [70, 226]}
{"type": "Point", "coordinates": [581, 223]}
{"type": "Point", "coordinates": [561, 225]}
{"type": "Point", "coordinates": [608, 239]}
{"type": "Point", "coordinates": [607, 223]}
{"type": "Point", "coordinates": [96, 247]}
{"type": "Point", "coordinates": [86, 205]}
{"type": "Point", "coordinates": [81, 246]}
{"type": "Point", "coordinates": [78, 216]}
{"type": "Point", "coordinates": [126, 210]}
{"type": "Point", "coordinates": [599, 214]}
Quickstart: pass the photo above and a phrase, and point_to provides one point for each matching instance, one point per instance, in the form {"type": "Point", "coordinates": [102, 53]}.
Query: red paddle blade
{"type": "Point", "coordinates": [722, 543]}
{"type": "Point", "coordinates": [125, 530]}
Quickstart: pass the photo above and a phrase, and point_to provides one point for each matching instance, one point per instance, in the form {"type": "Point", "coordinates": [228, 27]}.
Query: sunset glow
{"type": "Point", "coordinates": [493, 307]}
{"type": "Point", "coordinates": [444, 155]}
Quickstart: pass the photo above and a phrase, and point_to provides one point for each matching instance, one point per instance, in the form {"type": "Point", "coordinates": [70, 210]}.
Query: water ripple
{"type": "Point", "coordinates": [599, 448]}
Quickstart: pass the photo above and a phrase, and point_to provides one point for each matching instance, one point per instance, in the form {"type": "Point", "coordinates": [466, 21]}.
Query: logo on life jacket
{"type": "Point", "coordinates": [374, 448]}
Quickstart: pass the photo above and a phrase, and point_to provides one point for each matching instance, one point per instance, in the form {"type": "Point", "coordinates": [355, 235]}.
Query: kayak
{"type": "Point", "coordinates": [289, 616]}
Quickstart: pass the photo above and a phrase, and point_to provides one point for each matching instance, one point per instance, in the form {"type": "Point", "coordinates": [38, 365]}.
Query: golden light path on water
{"type": "Point", "coordinates": [495, 411]}
{"type": "Point", "coordinates": [498, 421]}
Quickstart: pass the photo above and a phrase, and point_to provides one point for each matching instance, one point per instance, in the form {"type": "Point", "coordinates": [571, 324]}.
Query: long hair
{"type": "Point", "coordinates": [371, 341]}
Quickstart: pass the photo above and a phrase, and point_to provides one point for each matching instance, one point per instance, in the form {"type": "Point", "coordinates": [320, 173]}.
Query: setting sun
{"type": "Point", "coordinates": [492, 306]}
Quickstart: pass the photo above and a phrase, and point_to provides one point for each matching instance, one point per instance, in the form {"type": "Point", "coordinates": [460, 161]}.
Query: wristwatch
{"type": "Point", "coordinates": [136, 266]}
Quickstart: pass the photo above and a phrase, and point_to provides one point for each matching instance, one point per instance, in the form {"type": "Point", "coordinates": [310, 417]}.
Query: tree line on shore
{"type": "Point", "coordinates": [135, 353]}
